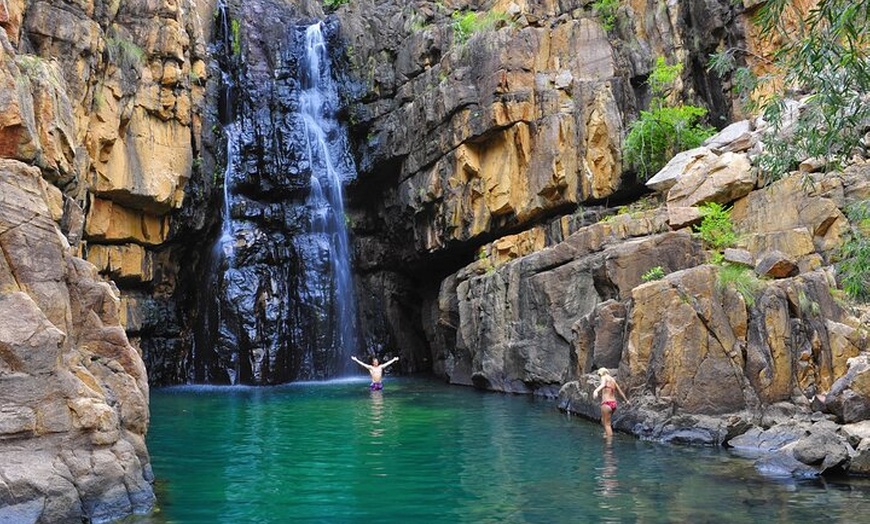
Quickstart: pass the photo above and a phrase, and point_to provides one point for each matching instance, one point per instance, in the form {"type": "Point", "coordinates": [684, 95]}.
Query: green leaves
{"type": "Point", "coordinates": [467, 23]}
{"type": "Point", "coordinates": [663, 131]}
{"type": "Point", "coordinates": [716, 229]}
{"type": "Point", "coordinates": [237, 37]}
{"type": "Point", "coordinates": [659, 134]}
{"type": "Point", "coordinates": [334, 4]}
{"type": "Point", "coordinates": [854, 255]}
{"type": "Point", "coordinates": [654, 273]}
{"type": "Point", "coordinates": [606, 11]}
{"type": "Point", "coordinates": [464, 25]}
{"type": "Point", "coordinates": [740, 278]}
{"type": "Point", "coordinates": [663, 76]}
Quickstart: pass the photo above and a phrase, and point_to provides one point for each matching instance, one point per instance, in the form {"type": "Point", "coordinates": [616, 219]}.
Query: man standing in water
{"type": "Point", "coordinates": [376, 371]}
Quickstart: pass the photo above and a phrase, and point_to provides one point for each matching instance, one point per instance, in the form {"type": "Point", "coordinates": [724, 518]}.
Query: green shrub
{"type": "Point", "coordinates": [606, 11]}
{"type": "Point", "coordinates": [124, 53]}
{"type": "Point", "coordinates": [237, 37]}
{"type": "Point", "coordinates": [464, 25]}
{"type": "Point", "coordinates": [467, 23]}
{"type": "Point", "coordinates": [661, 79]}
{"type": "Point", "coordinates": [656, 273]}
{"type": "Point", "coordinates": [334, 4]}
{"type": "Point", "coordinates": [854, 255]}
{"type": "Point", "coordinates": [663, 131]}
{"type": "Point", "coordinates": [658, 135]}
{"type": "Point", "coordinates": [742, 279]}
{"type": "Point", "coordinates": [717, 258]}
{"type": "Point", "coordinates": [485, 262]}
{"type": "Point", "coordinates": [716, 229]}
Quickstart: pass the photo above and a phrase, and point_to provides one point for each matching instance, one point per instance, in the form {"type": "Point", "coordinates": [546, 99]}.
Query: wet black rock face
{"type": "Point", "coordinates": [271, 305]}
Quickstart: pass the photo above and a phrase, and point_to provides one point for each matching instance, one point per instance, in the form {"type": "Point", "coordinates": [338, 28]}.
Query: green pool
{"type": "Point", "coordinates": [421, 451]}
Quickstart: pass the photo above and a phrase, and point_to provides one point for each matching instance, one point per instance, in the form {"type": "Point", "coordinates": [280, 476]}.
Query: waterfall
{"type": "Point", "coordinates": [325, 145]}
{"type": "Point", "coordinates": [278, 303]}
{"type": "Point", "coordinates": [226, 241]}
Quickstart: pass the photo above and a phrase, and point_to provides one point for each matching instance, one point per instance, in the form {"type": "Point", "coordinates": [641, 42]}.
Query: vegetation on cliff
{"type": "Point", "coordinates": [467, 23]}
{"type": "Point", "coordinates": [716, 228]}
{"type": "Point", "coordinates": [606, 11]}
{"type": "Point", "coordinates": [822, 55]}
{"type": "Point", "coordinates": [854, 256]}
{"type": "Point", "coordinates": [665, 129]}
{"type": "Point", "coordinates": [821, 58]}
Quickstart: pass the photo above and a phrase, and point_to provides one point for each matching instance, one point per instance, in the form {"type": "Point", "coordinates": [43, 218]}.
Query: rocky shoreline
{"type": "Point", "coordinates": [496, 235]}
{"type": "Point", "coordinates": [784, 439]}
{"type": "Point", "coordinates": [791, 389]}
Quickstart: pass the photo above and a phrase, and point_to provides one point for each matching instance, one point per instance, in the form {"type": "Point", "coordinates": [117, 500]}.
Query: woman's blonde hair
{"type": "Point", "coordinates": [603, 371]}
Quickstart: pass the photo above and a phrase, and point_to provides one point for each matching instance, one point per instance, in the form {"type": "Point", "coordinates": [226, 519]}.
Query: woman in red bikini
{"type": "Point", "coordinates": [607, 388]}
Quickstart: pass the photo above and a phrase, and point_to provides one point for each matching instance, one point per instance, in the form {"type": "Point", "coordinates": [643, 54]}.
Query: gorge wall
{"type": "Point", "coordinates": [100, 126]}
{"type": "Point", "coordinates": [492, 160]}
{"type": "Point", "coordinates": [485, 146]}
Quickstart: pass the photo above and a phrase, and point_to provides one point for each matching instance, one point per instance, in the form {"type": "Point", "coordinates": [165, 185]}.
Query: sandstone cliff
{"type": "Point", "coordinates": [465, 139]}
{"type": "Point", "coordinates": [99, 131]}
{"type": "Point", "coordinates": [74, 391]}
{"type": "Point", "coordinates": [475, 153]}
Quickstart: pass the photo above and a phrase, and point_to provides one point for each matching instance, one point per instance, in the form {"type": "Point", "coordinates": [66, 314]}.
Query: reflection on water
{"type": "Point", "coordinates": [377, 414]}
{"type": "Point", "coordinates": [376, 446]}
{"type": "Point", "coordinates": [420, 451]}
{"type": "Point", "coordinates": [608, 481]}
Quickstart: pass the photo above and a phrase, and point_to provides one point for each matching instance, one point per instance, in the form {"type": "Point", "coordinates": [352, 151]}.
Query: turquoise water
{"type": "Point", "coordinates": [421, 451]}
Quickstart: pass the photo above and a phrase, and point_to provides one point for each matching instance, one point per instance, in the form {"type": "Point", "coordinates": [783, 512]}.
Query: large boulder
{"type": "Point", "coordinates": [721, 179]}
{"type": "Point", "coordinates": [795, 449]}
{"type": "Point", "coordinates": [736, 137]}
{"type": "Point", "coordinates": [789, 218]}
{"type": "Point", "coordinates": [849, 396]}
{"type": "Point", "coordinates": [685, 342]}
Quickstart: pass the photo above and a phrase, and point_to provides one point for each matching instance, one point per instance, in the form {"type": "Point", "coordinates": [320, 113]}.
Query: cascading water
{"type": "Point", "coordinates": [280, 305]}
{"type": "Point", "coordinates": [226, 242]}
{"type": "Point", "coordinates": [324, 134]}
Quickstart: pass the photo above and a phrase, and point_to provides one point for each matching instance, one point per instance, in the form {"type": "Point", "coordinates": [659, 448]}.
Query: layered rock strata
{"type": "Point", "coordinates": [480, 256]}
{"type": "Point", "coordinates": [74, 391]}
{"type": "Point", "coordinates": [486, 143]}
{"type": "Point", "coordinates": [466, 136]}
{"type": "Point", "coordinates": [99, 133]}
{"type": "Point", "coordinates": [770, 367]}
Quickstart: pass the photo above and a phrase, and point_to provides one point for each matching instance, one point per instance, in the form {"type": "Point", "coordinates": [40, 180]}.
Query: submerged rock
{"type": "Point", "coordinates": [797, 449]}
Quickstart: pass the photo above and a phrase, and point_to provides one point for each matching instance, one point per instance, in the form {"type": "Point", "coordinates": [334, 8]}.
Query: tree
{"type": "Point", "coordinates": [821, 55]}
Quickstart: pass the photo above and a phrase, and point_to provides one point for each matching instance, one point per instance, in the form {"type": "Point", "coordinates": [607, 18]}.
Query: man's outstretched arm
{"type": "Point", "coordinates": [363, 364]}
{"type": "Point", "coordinates": [390, 362]}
